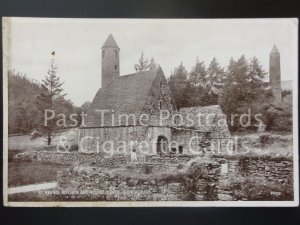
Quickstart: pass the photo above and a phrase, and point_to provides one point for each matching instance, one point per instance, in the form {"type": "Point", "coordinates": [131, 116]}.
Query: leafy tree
{"type": "Point", "coordinates": [243, 89]}
{"type": "Point", "coordinates": [197, 77]}
{"type": "Point", "coordinates": [153, 64]}
{"type": "Point", "coordinates": [235, 83]}
{"type": "Point", "coordinates": [22, 112]}
{"type": "Point", "coordinates": [85, 106]}
{"type": "Point", "coordinates": [178, 84]}
{"type": "Point", "coordinates": [82, 109]}
{"type": "Point", "coordinates": [205, 84]}
{"type": "Point", "coordinates": [196, 84]}
{"type": "Point", "coordinates": [256, 76]}
{"type": "Point", "coordinates": [214, 83]}
{"type": "Point", "coordinates": [50, 98]}
{"type": "Point", "coordinates": [216, 77]}
{"type": "Point", "coordinates": [143, 64]}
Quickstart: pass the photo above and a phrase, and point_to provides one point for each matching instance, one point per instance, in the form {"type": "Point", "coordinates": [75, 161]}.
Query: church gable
{"type": "Point", "coordinates": [159, 98]}
{"type": "Point", "coordinates": [128, 94]}
{"type": "Point", "coordinates": [206, 119]}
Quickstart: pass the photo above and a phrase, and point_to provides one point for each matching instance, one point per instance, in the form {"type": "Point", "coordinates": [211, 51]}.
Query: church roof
{"type": "Point", "coordinates": [127, 94]}
{"type": "Point", "coordinates": [110, 42]}
{"type": "Point", "coordinates": [274, 50]}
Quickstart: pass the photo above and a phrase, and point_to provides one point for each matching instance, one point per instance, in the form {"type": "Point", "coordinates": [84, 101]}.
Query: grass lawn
{"type": "Point", "coordinates": [31, 172]}
{"type": "Point", "coordinates": [24, 141]}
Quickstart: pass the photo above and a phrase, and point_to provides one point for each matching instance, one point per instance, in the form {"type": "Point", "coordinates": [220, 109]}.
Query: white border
{"type": "Point", "coordinates": [6, 57]}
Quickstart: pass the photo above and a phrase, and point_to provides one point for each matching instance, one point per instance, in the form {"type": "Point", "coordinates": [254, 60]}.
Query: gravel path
{"type": "Point", "coordinates": [32, 187]}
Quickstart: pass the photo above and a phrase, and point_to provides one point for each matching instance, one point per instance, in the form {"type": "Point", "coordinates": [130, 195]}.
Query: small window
{"type": "Point", "coordinates": [180, 149]}
{"type": "Point", "coordinates": [173, 150]}
{"type": "Point", "coordinates": [116, 53]}
{"type": "Point", "coordinates": [103, 53]}
{"type": "Point", "coordinates": [159, 104]}
{"type": "Point", "coordinates": [161, 85]}
{"type": "Point", "coordinates": [116, 67]}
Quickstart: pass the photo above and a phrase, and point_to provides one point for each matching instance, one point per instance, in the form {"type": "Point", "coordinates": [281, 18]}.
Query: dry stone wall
{"type": "Point", "coordinates": [121, 139]}
{"type": "Point", "coordinates": [224, 178]}
{"type": "Point", "coordinates": [95, 184]}
{"type": "Point", "coordinates": [99, 160]}
{"type": "Point", "coordinates": [254, 178]}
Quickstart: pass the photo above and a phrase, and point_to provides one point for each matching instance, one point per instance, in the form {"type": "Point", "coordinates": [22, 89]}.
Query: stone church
{"type": "Point", "coordinates": [126, 114]}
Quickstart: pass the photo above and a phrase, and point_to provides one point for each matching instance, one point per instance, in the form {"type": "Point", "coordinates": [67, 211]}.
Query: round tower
{"type": "Point", "coordinates": [110, 61]}
{"type": "Point", "coordinates": [274, 71]}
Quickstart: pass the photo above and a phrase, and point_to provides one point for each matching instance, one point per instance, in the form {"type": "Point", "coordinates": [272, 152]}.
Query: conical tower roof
{"type": "Point", "coordinates": [274, 50]}
{"type": "Point", "coordinates": [110, 42]}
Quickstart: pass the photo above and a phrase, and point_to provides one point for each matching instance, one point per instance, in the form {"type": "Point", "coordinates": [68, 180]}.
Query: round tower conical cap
{"type": "Point", "coordinates": [110, 43]}
{"type": "Point", "coordinates": [274, 50]}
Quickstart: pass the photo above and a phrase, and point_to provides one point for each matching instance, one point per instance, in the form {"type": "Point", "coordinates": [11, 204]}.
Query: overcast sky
{"type": "Point", "coordinates": [77, 43]}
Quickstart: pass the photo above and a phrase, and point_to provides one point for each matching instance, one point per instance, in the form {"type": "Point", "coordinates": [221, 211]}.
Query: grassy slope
{"type": "Point", "coordinates": [31, 172]}
{"type": "Point", "coordinates": [27, 172]}
{"type": "Point", "coordinates": [24, 142]}
{"type": "Point", "coordinates": [269, 143]}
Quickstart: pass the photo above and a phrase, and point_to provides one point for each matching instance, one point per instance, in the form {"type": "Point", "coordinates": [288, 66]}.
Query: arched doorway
{"type": "Point", "coordinates": [162, 145]}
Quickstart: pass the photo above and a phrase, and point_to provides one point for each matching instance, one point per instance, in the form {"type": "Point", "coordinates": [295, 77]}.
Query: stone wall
{"type": "Point", "coordinates": [97, 184]}
{"type": "Point", "coordinates": [168, 178]}
{"type": "Point", "coordinates": [254, 178]}
{"type": "Point", "coordinates": [121, 139]}
{"type": "Point", "coordinates": [189, 140]}
{"type": "Point", "coordinates": [153, 162]}
{"type": "Point", "coordinates": [100, 160]}
{"type": "Point", "coordinates": [222, 146]}
{"type": "Point", "coordinates": [159, 98]}
{"type": "Point", "coordinates": [171, 159]}
{"type": "Point", "coordinates": [276, 170]}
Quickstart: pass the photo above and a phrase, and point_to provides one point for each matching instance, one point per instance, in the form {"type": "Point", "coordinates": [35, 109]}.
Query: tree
{"type": "Point", "coordinates": [85, 106]}
{"type": "Point", "coordinates": [214, 83]}
{"type": "Point", "coordinates": [82, 109]}
{"type": "Point", "coordinates": [243, 89]}
{"type": "Point", "coordinates": [197, 83]}
{"type": "Point", "coordinates": [235, 90]}
{"type": "Point", "coordinates": [22, 111]}
{"type": "Point", "coordinates": [197, 77]}
{"type": "Point", "coordinates": [256, 77]}
{"type": "Point", "coordinates": [143, 64]}
{"type": "Point", "coordinates": [50, 98]}
{"type": "Point", "coordinates": [179, 85]}
{"type": "Point", "coordinates": [205, 84]}
{"type": "Point", "coordinates": [216, 77]}
{"type": "Point", "coordinates": [153, 64]}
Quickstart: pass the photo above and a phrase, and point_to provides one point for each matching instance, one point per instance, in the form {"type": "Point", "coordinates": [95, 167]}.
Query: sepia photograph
{"type": "Point", "coordinates": [150, 112]}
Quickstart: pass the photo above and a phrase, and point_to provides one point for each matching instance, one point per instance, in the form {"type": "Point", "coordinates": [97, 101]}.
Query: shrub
{"type": "Point", "coordinates": [180, 166]}
{"type": "Point", "coordinates": [260, 189]}
{"type": "Point", "coordinates": [265, 139]}
{"type": "Point", "coordinates": [286, 93]}
{"type": "Point", "coordinates": [73, 148]}
{"type": "Point", "coordinates": [146, 168]}
{"type": "Point", "coordinates": [279, 117]}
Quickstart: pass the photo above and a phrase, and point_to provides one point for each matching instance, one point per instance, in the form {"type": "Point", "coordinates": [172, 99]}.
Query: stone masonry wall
{"type": "Point", "coordinates": [228, 178]}
{"type": "Point", "coordinates": [96, 184]}
{"type": "Point", "coordinates": [273, 175]}
{"type": "Point", "coordinates": [99, 160]}
{"type": "Point", "coordinates": [171, 159]}
{"type": "Point", "coordinates": [280, 170]}
{"type": "Point", "coordinates": [123, 139]}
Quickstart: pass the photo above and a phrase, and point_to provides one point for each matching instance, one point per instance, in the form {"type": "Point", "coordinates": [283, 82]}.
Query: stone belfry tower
{"type": "Point", "coordinates": [110, 61]}
{"type": "Point", "coordinates": [274, 71]}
